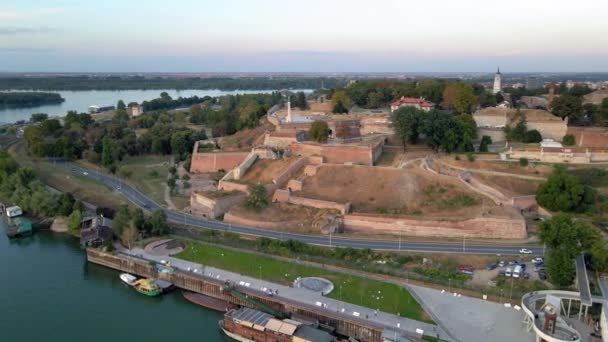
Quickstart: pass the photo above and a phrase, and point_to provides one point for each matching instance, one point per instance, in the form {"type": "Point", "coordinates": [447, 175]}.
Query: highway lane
{"type": "Point", "coordinates": [142, 201]}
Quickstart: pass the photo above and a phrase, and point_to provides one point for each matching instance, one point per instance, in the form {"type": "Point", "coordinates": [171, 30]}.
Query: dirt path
{"type": "Point", "coordinates": [494, 173]}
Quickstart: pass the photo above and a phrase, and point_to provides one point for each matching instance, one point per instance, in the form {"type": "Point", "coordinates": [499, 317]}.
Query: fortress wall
{"type": "Point", "coordinates": [486, 227]}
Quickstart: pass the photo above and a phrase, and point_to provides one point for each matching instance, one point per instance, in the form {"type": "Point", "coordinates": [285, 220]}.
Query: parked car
{"type": "Point", "coordinates": [525, 251]}
{"type": "Point", "coordinates": [467, 272]}
{"type": "Point", "coordinates": [542, 275]}
{"type": "Point", "coordinates": [491, 266]}
{"type": "Point", "coordinates": [465, 268]}
{"type": "Point", "coordinates": [85, 173]}
{"type": "Point", "coordinates": [501, 273]}
{"type": "Point", "coordinates": [501, 263]}
{"type": "Point", "coordinates": [526, 275]}
{"type": "Point", "coordinates": [508, 272]}
{"type": "Point", "coordinates": [537, 261]}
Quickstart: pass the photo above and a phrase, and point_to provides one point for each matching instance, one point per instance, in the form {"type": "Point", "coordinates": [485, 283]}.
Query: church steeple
{"type": "Point", "coordinates": [497, 82]}
{"type": "Point", "coordinates": [498, 70]}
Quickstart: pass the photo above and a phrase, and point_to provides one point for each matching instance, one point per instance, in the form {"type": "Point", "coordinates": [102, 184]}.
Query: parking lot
{"type": "Point", "coordinates": [483, 277]}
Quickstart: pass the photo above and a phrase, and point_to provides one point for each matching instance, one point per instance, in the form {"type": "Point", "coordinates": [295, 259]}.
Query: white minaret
{"type": "Point", "coordinates": [497, 82]}
{"type": "Point", "coordinates": [288, 119]}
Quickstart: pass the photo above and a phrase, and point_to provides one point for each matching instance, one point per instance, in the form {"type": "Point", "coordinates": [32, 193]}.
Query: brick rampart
{"type": "Point", "coordinates": [590, 136]}
{"type": "Point", "coordinates": [242, 168]}
{"type": "Point", "coordinates": [338, 154]}
{"type": "Point", "coordinates": [284, 176]}
{"type": "Point", "coordinates": [486, 227]}
{"type": "Point", "coordinates": [212, 207]}
{"type": "Point", "coordinates": [294, 185]}
{"type": "Point", "coordinates": [281, 195]}
{"type": "Point", "coordinates": [215, 161]}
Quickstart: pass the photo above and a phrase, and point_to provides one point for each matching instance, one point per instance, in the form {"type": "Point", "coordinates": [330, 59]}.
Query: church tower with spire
{"type": "Point", "coordinates": [497, 82]}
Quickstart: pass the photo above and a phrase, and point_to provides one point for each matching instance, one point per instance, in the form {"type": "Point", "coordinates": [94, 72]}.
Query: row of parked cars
{"type": "Point", "coordinates": [517, 269]}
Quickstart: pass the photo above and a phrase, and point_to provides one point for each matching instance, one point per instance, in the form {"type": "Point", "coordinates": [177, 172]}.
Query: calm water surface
{"type": "Point", "coordinates": [49, 293]}
{"type": "Point", "coordinates": [81, 100]}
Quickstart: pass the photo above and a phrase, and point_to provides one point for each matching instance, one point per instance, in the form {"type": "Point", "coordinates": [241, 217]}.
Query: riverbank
{"type": "Point", "coordinates": [50, 293]}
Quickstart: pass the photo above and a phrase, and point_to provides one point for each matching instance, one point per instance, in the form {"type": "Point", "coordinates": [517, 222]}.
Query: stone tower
{"type": "Point", "coordinates": [497, 82]}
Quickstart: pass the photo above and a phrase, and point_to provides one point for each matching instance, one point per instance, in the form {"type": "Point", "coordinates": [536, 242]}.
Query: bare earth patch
{"type": "Point", "coordinates": [533, 169]}
{"type": "Point", "coordinates": [509, 186]}
{"type": "Point", "coordinates": [392, 191]}
{"type": "Point", "coordinates": [263, 171]}
{"type": "Point", "coordinates": [296, 218]}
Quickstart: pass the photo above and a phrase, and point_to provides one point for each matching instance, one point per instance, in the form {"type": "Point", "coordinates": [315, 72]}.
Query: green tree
{"type": "Point", "coordinates": [567, 106]}
{"type": "Point", "coordinates": [319, 131]}
{"type": "Point", "coordinates": [517, 133]}
{"type": "Point", "coordinates": [158, 222]}
{"type": "Point", "coordinates": [121, 105]}
{"type": "Point", "coordinates": [406, 124]}
{"type": "Point", "coordinates": [568, 140]}
{"type": "Point", "coordinates": [125, 172]}
{"type": "Point", "coordinates": [107, 152]}
{"type": "Point", "coordinates": [257, 198]}
{"type": "Point", "coordinates": [122, 219]}
{"type": "Point", "coordinates": [486, 140]}
{"type": "Point", "coordinates": [340, 102]}
{"type": "Point", "coordinates": [139, 220]}
{"type": "Point", "coordinates": [464, 99]}
{"type": "Point", "coordinates": [564, 192]}
{"type": "Point", "coordinates": [533, 136]}
{"type": "Point", "coordinates": [604, 109]}
{"type": "Point", "coordinates": [74, 221]}
{"type": "Point", "coordinates": [38, 117]}
{"type": "Point", "coordinates": [565, 238]}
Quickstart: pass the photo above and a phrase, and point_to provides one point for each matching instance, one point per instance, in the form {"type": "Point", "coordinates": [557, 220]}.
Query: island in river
{"type": "Point", "coordinates": [28, 99]}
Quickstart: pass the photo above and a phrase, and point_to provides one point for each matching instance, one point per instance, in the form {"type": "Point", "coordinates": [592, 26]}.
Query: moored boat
{"type": "Point", "coordinates": [208, 302]}
{"type": "Point", "coordinates": [128, 279]}
{"type": "Point", "coordinates": [147, 287]}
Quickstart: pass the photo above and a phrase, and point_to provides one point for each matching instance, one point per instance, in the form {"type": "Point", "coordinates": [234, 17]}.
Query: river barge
{"type": "Point", "coordinates": [249, 325]}
{"type": "Point", "coordinates": [208, 302]}
{"type": "Point", "coordinates": [13, 223]}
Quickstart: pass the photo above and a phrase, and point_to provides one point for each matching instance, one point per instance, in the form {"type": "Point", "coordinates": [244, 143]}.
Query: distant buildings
{"type": "Point", "coordinates": [418, 103]}
{"type": "Point", "coordinates": [492, 121]}
{"type": "Point", "coordinates": [534, 83]}
{"type": "Point", "coordinates": [497, 82]}
{"type": "Point", "coordinates": [94, 109]}
{"type": "Point", "coordinates": [134, 109]}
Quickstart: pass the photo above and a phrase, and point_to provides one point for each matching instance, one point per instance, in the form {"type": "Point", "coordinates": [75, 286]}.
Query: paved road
{"type": "Point", "coordinates": [142, 201]}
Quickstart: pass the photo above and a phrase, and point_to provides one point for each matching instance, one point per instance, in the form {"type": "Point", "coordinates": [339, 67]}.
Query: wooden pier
{"type": "Point", "coordinates": [343, 324]}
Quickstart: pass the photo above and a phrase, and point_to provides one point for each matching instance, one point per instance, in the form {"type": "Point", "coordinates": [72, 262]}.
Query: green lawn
{"type": "Point", "coordinates": [148, 174]}
{"type": "Point", "coordinates": [356, 290]}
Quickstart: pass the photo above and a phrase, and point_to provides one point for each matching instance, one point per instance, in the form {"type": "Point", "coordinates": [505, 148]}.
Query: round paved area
{"type": "Point", "coordinates": [164, 247]}
{"type": "Point", "coordinates": [315, 284]}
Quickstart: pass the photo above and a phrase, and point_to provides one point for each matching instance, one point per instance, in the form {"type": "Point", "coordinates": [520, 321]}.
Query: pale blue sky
{"type": "Point", "coordinates": [312, 35]}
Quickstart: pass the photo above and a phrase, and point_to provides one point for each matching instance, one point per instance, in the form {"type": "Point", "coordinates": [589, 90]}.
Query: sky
{"type": "Point", "coordinates": [303, 36]}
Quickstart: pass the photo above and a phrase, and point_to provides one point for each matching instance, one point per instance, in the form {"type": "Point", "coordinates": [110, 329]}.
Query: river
{"type": "Point", "coordinates": [81, 100]}
{"type": "Point", "coordinates": [48, 292]}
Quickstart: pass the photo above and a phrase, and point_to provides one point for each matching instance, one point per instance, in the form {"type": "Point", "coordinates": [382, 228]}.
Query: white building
{"type": "Point", "coordinates": [497, 82]}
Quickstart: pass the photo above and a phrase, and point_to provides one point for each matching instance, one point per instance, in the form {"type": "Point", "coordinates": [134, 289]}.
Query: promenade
{"type": "Point", "coordinates": [393, 325]}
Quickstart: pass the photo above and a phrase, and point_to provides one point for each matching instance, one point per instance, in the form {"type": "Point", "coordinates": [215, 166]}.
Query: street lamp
{"type": "Point", "coordinates": [260, 267]}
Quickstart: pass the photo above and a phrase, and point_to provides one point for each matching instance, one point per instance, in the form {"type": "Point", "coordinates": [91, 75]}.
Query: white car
{"type": "Point", "coordinates": [525, 251]}
{"type": "Point", "coordinates": [85, 173]}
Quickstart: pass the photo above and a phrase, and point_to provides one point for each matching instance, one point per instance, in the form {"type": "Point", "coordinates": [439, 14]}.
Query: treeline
{"type": "Point", "coordinates": [28, 99]}
{"type": "Point", "coordinates": [19, 185]}
{"type": "Point", "coordinates": [443, 131]}
{"type": "Point", "coordinates": [107, 143]}
{"type": "Point", "coordinates": [138, 82]}
{"type": "Point", "coordinates": [165, 102]}
{"type": "Point", "coordinates": [447, 94]}
{"type": "Point", "coordinates": [228, 114]}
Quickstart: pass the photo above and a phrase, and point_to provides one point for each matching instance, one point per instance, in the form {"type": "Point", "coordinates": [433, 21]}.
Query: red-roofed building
{"type": "Point", "coordinates": [418, 103]}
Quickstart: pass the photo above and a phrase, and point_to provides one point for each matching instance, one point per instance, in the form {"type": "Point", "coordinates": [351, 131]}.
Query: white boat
{"type": "Point", "coordinates": [128, 278]}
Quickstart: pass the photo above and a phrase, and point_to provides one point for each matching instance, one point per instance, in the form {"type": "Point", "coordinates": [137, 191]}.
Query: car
{"type": "Point", "coordinates": [511, 262]}
{"type": "Point", "coordinates": [539, 268]}
{"type": "Point", "coordinates": [525, 251]}
{"type": "Point", "coordinates": [465, 268]}
{"type": "Point", "coordinates": [146, 205]}
{"type": "Point", "coordinates": [501, 263]}
{"type": "Point", "coordinates": [526, 275]}
{"type": "Point", "coordinates": [537, 261]}
{"type": "Point", "coordinates": [119, 187]}
{"type": "Point", "coordinates": [85, 173]}
{"type": "Point", "coordinates": [491, 266]}
{"type": "Point", "coordinates": [501, 273]}
{"type": "Point", "coordinates": [542, 275]}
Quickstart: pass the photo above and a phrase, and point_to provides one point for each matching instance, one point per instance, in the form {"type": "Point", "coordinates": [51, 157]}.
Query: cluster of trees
{"type": "Point", "coordinates": [443, 131]}
{"type": "Point", "coordinates": [565, 238]}
{"type": "Point", "coordinates": [456, 96]}
{"type": "Point", "coordinates": [141, 82]}
{"type": "Point", "coordinates": [229, 114]}
{"type": "Point", "coordinates": [108, 142]}
{"type": "Point", "coordinates": [564, 192]}
{"type": "Point", "coordinates": [131, 225]}
{"type": "Point", "coordinates": [257, 198]}
{"type": "Point", "coordinates": [20, 186]}
{"type": "Point", "coordinates": [28, 99]}
{"type": "Point", "coordinates": [165, 102]}
{"type": "Point", "coordinates": [319, 131]}
{"type": "Point", "coordinates": [299, 100]}
{"type": "Point", "coordinates": [520, 132]}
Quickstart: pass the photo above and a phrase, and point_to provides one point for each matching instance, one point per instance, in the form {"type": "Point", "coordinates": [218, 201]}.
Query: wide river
{"type": "Point", "coordinates": [81, 100]}
{"type": "Point", "coordinates": [48, 292]}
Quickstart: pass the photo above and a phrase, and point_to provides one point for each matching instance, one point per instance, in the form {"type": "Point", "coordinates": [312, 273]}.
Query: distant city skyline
{"type": "Point", "coordinates": [311, 36]}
